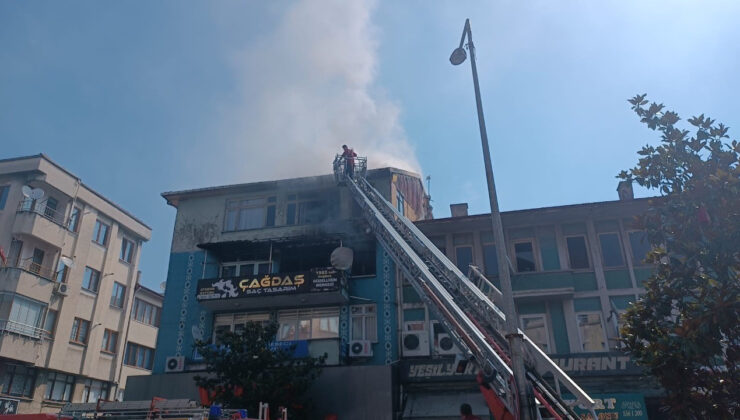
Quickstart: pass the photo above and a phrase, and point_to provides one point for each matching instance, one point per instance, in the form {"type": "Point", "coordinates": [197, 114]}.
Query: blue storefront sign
{"type": "Point", "coordinates": [300, 350]}
{"type": "Point", "coordinates": [616, 407]}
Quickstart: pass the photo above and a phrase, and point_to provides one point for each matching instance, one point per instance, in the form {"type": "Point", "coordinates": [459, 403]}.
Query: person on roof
{"type": "Point", "coordinates": [466, 412]}
{"type": "Point", "coordinates": [349, 156]}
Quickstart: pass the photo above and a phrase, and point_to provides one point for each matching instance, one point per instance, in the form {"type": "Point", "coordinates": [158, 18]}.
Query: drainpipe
{"type": "Point", "coordinates": [122, 354]}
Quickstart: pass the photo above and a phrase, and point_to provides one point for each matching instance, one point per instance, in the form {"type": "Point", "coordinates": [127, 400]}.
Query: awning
{"type": "Point", "coordinates": [435, 406]}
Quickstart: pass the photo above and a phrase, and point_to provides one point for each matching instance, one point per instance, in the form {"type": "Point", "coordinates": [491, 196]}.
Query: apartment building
{"type": "Point", "coordinates": [73, 318]}
{"type": "Point", "coordinates": [576, 269]}
{"type": "Point", "coordinates": [227, 240]}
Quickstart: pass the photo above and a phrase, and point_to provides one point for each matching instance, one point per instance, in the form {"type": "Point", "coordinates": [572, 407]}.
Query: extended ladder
{"type": "Point", "coordinates": [472, 319]}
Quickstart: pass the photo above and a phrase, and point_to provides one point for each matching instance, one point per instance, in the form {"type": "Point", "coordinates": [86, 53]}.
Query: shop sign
{"type": "Point", "coordinates": [423, 370]}
{"type": "Point", "coordinates": [592, 364]}
{"type": "Point", "coordinates": [8, 406]}
{"type": "Point", "coordinates": [615, 407]}
{"type": "Point", "coordinates": [312, 281]}
{"type": "Point", "coordinates": [300, 349]}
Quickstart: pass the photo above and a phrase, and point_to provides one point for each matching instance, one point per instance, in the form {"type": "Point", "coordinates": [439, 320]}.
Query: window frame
{"type": "Point", "coordinates": [545, 322]}
{"type": "Point", "coordinates": [400, 202]}
{"type": "Point", "coordinates": [73, 224]}
{"type": "Point", "coordinates": [268, 201]}
{"type": "Point", "coordinates": [97, 278]}
{"type": "Point", "coordinates": [298, 213]}
{"type": "Point", "coordinates": [4, 193]}
{"type": "Point", "coordinates": [96, 233]}
{"type": "Point", "coordinates": [365, 316]}
{"type": "Point", "coordinates": [153, 319]}
{"type": "Point", "coordinates": [136, 348]}
{"type": "Point", "coordinates": [68, 380]}
{"type": "Point", "coordinates": [535, 252]}
{"type": "Point", "coordinates": [74, 335]}
{"type": "Point", "coordinates": [636, 262]}
{"type": "Point", "coordinates": [53, 328]}
{"type": "Point", "coordinates": [123, 257]}
{"type": "Point", "coordinates": [297, 317]}
{"type": "Point", "coordinates": [589, 264]}
{"type": "Point", "coordinates": [106, 345]}
{"type": "Point", "coordinates": [605, 347]}
{"type": "Point", "coordinates": [621, 248]}
{"type": "Point", "coordinates": [88, 386]}
{"type": "Point", "coordinates": [29, 375]}
{"type": "Point", "coordinates": [472, 257]}
{"type": "Point", "coordinates": [114, 298]}
{"type": "Point", "coordinates": [239, 264]}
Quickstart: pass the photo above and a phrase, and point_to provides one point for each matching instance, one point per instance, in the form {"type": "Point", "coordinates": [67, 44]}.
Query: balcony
{"type": "Point", "coordinates": [22, 342]}
{"type": "Point", "coordinates": [37, 220]}
{"type": "Point", "coordinates": [30, 331]}
{"type": "Point", "coordinates": [28, 279]}
{"type": "Point", "coordinates": [315, 287]}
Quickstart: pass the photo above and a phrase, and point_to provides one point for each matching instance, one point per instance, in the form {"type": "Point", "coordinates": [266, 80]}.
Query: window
{"type": "Point", "coordinates": [138, 356]}
{"type": "Point", "coordinates": [4, 190]}
{"type": "Point", "coordinates": [524, 252]}
{"type": "Point", "coordinates": [14, 253]}
{"type": "Point", "coordinates": [490, 260]}
{"type": "Point", "coordinates": [535, 327]}
{"type": "Point", "coordinates": [80, 329]}
{"type": "Point", "coordinates": [591, 332]}
{"type": "Point", "coordinates": [25, 316]}
{"type": "Point", "coordinates": [440, 242]}
{"type": "Point", "coordinates": [365, 260]}
{"type": "Point", "coordinates": [59, 387]}
{"type": "Point", "coordinates": [302, 210]}
{"type": "Point", "coordinates": [37, 261]}
{"type": "Point", "coordinates": [236, 322]}
{"type": "Point", "coordinates": [611, 250]}
{"type": "Point", "coordinates": [464, 257]}
{"type": "Point", "coordinates": [400, 203]}
{"type": "Point", "coordinates": [640, 246]}
{"type": "Point", "coordinates": [110, 340]}
{"type": "Point", "coordinates": [250, 213]}
{"type": "Point", "coordinates": [245, 268]}
{"type": "Point", "coordinates": [364, 322]}
{"type": "Point", "coordinates": [118, 295]}
{"type": "Point", "coordinates": [127, 250]}
{"type": "Point", "coordinates": [308, 324]}
{"type": "Point", "coordinates": [50, 322]}
{"type": "Point", "coordinates": [17, 380]}
{"type": "Point", "coordinates": [50, 209]}
{"type": "Point", "coordinates": [146, 312]}
{"type": "Point", "coordinates": [91, 280]}
{"type": "Point", "coordinates": [62, 272]}
{"type": "Point", "coordinates": [100, 233]}
{"type": "Point", "coordinates": [95, 390]}
{"type": "Point", "coordinates": [577, 252]}
{"type": "Point", "coordinates": [74, 220]}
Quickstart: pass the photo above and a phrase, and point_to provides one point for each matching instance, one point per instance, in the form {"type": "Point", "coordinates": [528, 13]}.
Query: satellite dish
{"type": "Point", "coordinates": [37, 194]}
{"type": "Point", "coordinates": [26, 191]}
{"type": "Point", "coordinates": [197, 333]}
{"type": "Point", "coordinates": [341, 258]}
{"type": "Point", "coordinates": [69, 262]}
{"type": "Point", "coordinates": [163, 286]}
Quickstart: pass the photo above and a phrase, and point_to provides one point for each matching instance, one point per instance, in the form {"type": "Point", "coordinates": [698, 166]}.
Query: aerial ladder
{"type": "Point", "coordinates": [466, 309]}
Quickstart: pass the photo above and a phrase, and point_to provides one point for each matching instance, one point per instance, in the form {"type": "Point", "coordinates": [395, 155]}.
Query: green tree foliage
{"type": "Point", "coordinates": [244, 371]}
{"type": "Point", "coordinates": [685, 330]}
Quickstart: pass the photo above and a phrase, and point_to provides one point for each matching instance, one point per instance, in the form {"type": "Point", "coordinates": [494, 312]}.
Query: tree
{"type": "Point", "coordinates": [246, 369]}
{"type": "Point", "coordinates": [685, 329]}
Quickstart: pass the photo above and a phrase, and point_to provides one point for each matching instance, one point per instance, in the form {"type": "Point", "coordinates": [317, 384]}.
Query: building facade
{"type": "Point", "coordinates": [68, 284]}
{"type": "Point", "coordinates": [576, 269]}
{"type": "Point", "coordinates": [262, 251]}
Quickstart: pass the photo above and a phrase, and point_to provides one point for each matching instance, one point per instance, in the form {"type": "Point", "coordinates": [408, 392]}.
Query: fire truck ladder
{"type": "Point", "coordinates": [475, 323]}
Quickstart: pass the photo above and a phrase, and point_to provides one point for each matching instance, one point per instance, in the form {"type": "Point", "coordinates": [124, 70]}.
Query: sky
{"type": "Point", "coordinates": [138, 98]}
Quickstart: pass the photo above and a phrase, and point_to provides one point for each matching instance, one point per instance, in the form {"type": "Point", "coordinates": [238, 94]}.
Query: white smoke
{"type": "Point", "coordinates": [308, 87]}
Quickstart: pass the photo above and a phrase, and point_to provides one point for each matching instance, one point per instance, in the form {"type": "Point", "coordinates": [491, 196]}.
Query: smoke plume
{"type": "Point", "coordinates": [309, 86]}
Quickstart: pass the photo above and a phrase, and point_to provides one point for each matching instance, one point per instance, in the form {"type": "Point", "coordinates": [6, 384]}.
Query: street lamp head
{"type": "Point", "coordinates": [458, 56]}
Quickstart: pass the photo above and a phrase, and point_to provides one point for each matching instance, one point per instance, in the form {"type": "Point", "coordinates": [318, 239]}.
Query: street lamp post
{"type": "Point", "coordinates": [512, 334]}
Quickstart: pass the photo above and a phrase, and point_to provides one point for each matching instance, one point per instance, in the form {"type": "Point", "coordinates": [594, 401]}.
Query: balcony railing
{"type": "Point", "coordinates": [13, 327]}
{"type": "Point", "coordinates": [42, 209]}
{"type": "Point", "coordinates": [35, 268]}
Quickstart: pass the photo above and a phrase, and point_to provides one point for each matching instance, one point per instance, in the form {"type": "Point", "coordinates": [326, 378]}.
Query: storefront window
{"type": "Point", "coordinates": [59, 387]}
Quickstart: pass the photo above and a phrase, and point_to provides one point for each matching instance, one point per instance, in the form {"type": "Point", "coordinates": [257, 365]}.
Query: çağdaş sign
{"type": "Point", "coordinates": [312, 281]}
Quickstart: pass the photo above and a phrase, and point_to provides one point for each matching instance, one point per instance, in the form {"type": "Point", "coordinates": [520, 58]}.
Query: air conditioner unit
{"type": "Point", "coordinates": [444, 344]}
{"type": "Point", "coordinates": [415, 343]}
{"type": "Point", "coordinates": [61, 289]}
{"type": "Point", "coordinates": [360, 348]}
{"type": "Point", "coordinates": [174, 364]}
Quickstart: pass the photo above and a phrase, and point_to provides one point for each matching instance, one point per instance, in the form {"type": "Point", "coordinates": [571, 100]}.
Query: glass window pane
{"type": "Point", "coordinates": [371, 328]}
{"type": "Point", "coordinates": [231, 219]}
{"type": "Point", "coordinates": [577, 252]}
{"type": "Point", "coordinates": [534, 327]}
{"type": "Point", "coordinates": [464, 257]}
{"type": "Point", "coordinates": [246, 270]}
{"type": "Point", "coordinates": [304, 329]}
{"type": "Point", "coordinates": [228, 271]}
{"type": "Point", "coordinates": [611, 250]}
{"type": "Point", "coordinates": [592, 332]}
{"type": "Point", "coordinates": [524, 257]}
{"type": "Point", "coordinates": [357, 332]}
{"type": "Point", "coordinates": [490, 260]}
{"type": "Point", "coordinates": [290, 214]}
{"type": "Point", "coordinates": [263, 268]}
{"type": "Point", "coordinates": [640, 246]}
{"type": "Point", "coordinates": [287, 331]}
{"type": "Point", "coordinates": [270, 216]}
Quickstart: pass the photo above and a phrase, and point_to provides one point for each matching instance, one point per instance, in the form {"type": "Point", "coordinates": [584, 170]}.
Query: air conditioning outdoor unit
{"type": "Point", "coordinates": [174, 364]}
{"type": "Point", "coordinates": [415, 343]}
{"type": "Point", "coordinates": [445, 345]}
{"type": "Point", "coordinates": [360, 348]}
{"type": "Point", "coordinates": [61, 289]}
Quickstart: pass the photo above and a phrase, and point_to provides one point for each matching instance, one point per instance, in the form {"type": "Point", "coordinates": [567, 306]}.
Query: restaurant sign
{"type": "Point", "coordinates": [590, 364]}
{"type": "Point", "coordinates": [312, 281]}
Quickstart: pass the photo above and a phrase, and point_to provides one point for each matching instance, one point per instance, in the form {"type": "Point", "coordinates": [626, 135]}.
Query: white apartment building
{"type": "Point", "coordinates": [74, 322]}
